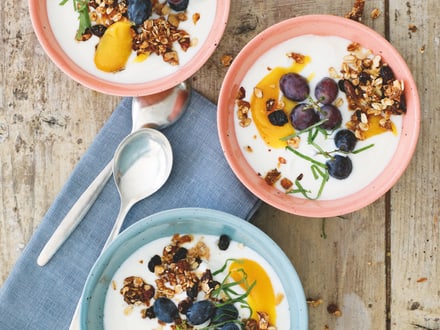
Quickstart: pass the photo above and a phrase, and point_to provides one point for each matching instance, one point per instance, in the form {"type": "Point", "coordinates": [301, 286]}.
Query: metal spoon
{"type": "Point", "coordinates": [142, 164]}
{"type": "Point", "coordinates": [156, 111]}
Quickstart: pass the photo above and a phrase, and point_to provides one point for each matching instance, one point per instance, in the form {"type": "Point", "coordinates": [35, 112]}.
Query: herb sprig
{"type": "Point", "coordinates": [82, 8]}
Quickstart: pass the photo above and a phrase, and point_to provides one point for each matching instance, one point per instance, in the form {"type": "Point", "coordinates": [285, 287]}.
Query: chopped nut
{"type": "Point", "coordinates": [375, 13]}
{"type": "Point", "coordinates": [241, 93]}
{"type": "Point", "coordinates": [272, 177]}
{"type": "Point", "coordinates": [334, 309]}
{"type": "Point", "coordinates": [357, 10]}
{"type": "Point", "coordinates": [248, 149]}
{"type": "Point", "coordinates": [258, 92]}
{"type": "Point", "coordinates": [412, 28]}
{"type": "Point", "coordinates": [286, 183]}
{"type": "Point", "coordinates": [226, 60]}
{"type": "Point", "coordinates": [294, 142]}
{"type": "Point", "coordinates": [314, 302]}
{"type": "Point", "coordinates": [196, 17]}
{"type": "Point", "coordinates": [297, 57]}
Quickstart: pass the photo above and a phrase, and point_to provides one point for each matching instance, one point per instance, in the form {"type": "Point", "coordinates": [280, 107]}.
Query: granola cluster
{"type": "Point", "coordinates": [156, 35]}
{"type": "Point", "coordinates": [371, 90]}
{"type": "Point", "coordinates": [357, 11]}
{"type": "Point", "coordinates": [243, 108]}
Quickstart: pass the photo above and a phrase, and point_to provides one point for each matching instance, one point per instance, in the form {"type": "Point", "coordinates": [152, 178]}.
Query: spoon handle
{"type": "Point", "coordinates": [75, 215]}
{"type": "Point", "coordinates": [125, 207]}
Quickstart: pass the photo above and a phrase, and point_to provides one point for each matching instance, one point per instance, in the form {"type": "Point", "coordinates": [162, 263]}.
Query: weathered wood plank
{"type": "Point", "coordinates": [415, 232]}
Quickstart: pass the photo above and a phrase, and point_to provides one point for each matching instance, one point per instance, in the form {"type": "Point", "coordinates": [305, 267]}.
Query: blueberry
{"type": "Point", "coordinates": [223, 242]}
{"type": "Point", "coordinates": [339, 167]}
{"type": "Point", "coordinates": [224, 314]}
{"type": "Point", "coordinates": [178, 5]}
{"type": "Point", "coordinates": [154, 261]}
{"type": "Point", "coordinates": [345, 140]}
{"type": "Point", "coordinates": [200, 312]}
{"type": "Point", "coordinates": [165, 310]}
{"type": "Point", "coordinates": [278, 118]}
{"type": "Point", "coordinates": [230, 326]}
{"type": "Point", "coordinates": [139, 11]}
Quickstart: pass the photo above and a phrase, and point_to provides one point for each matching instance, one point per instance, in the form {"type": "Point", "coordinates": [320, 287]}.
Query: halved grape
{"type": "Point", "coordinates": [345, 140]}
{"type": "Point", "coordinates": [339, 167]}
{"type": "Point", "coordinates": [294, 86]}
{"type": "Point", "coordinates": [302, 116]}
{"type": "Point", "coordinates": [326, 90]}
{"type": "Point", "coordinates": [332, 115]}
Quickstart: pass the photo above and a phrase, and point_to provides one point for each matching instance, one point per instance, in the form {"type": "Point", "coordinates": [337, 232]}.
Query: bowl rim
{"type": "Point", "coordinates": [242, 228]}
{"type": "Point", "coordinates": [329, 25]}
{"type": "Point", "coordinates": [46, 38]}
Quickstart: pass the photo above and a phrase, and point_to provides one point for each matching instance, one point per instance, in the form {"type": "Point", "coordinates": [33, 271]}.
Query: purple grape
{"type": "Point", "coordinates": [326, 90]}
{"type": "Point", "coordinates": [302, 116]}
{"type": "Point", "coordinates": [332, 115]}
{"type": "Point", "coordinates": [339, 167]}
{"type": "Point", "coordinates": [345, 140]}
{"type": "Point", "coordinates": [294, 86]}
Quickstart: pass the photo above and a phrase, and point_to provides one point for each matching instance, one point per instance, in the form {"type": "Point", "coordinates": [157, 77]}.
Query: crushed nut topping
{"type": "Point", "coordinates": [357, 11]}
{"type": "Point", "coordinates": [371, 90]}
{"type": "Point", "coordinates": [375, 13]}
{"type": "Point", "coordinates": [297, 57]}
{"type": "Point", "coordinates": [272, 177]}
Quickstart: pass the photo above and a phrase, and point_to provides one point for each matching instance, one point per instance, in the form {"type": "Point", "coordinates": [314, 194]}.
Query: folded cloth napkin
{"type": "Point", "coordinates": [35, 297]}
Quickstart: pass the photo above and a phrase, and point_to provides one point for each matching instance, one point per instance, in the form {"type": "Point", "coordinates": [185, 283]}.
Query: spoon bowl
{"type": "Point", "coordinates": [142, 164]}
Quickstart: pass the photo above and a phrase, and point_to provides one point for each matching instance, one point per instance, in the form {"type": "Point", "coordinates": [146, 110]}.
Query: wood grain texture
{"type": "Point", "coordinates": [379, 265]}
{"type": "Point", "coordinates": [415, 200]}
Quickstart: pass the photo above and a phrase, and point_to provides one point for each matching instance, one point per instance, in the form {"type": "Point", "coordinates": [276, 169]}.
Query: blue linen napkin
{"type": "Point", "coordinates": [35, 297]}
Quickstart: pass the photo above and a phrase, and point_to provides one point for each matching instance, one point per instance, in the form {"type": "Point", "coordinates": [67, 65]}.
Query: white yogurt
{"type": "Point", "coordinates": [325, 52]}
{"type": "Point", "coordinates": [136, 265]}
{"type": "Point", "coordinates": [64, 24]}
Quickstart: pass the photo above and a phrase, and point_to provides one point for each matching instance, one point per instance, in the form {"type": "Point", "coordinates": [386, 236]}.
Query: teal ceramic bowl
{"type": "Point", "coordinates": [196, 221]}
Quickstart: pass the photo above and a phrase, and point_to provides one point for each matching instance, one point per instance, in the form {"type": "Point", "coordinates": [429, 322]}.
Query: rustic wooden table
{"type": "Point", "coordinates": [379, 265]}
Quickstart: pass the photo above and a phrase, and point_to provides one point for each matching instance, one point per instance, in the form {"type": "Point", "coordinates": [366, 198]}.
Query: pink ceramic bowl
{"type": "Point", "coordinates": [76, 70]}
{"type": "Point", "coordinates": [324, 25]}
